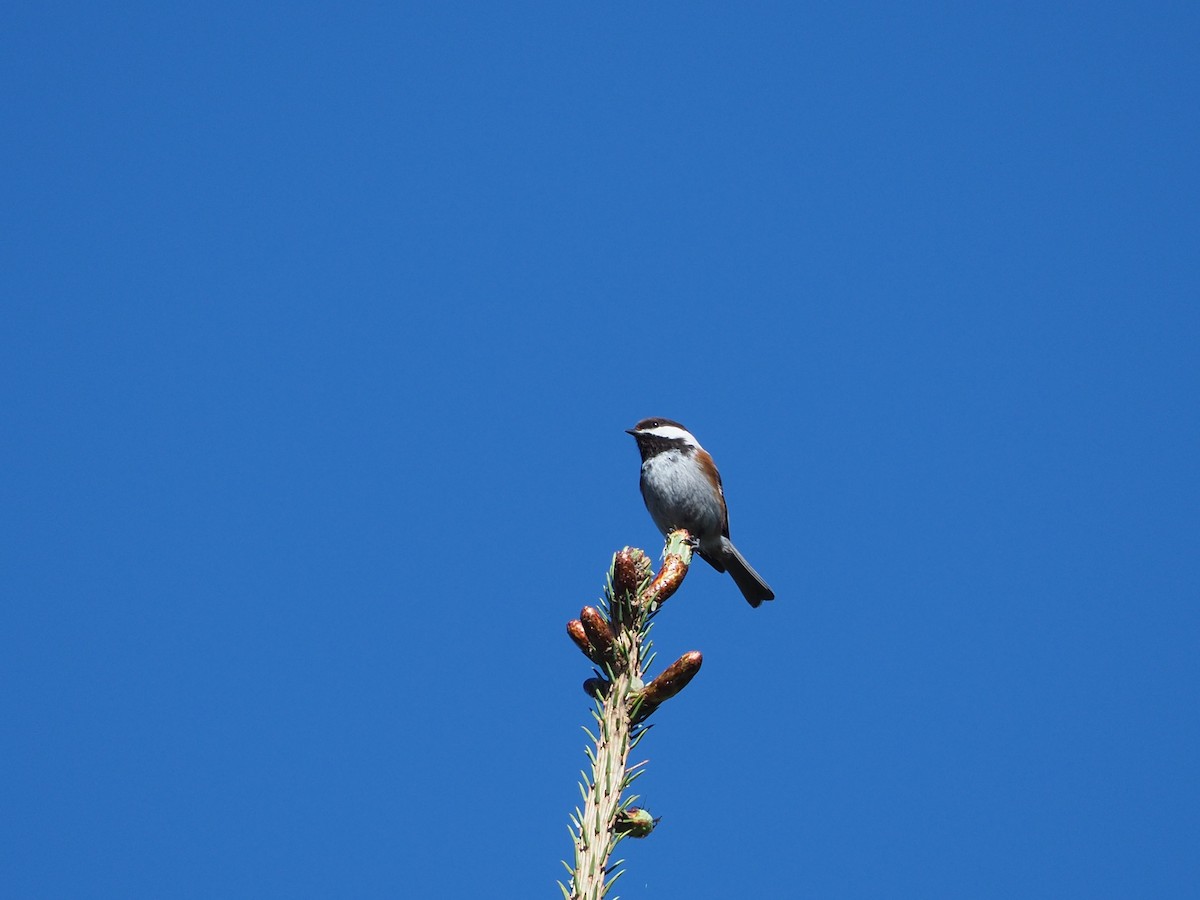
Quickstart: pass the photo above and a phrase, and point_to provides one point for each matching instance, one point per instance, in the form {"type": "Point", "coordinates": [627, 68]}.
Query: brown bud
{"type": "Point", "coordinates": [634, 822]}
{"type": "Point", "coordinates": [676, 557]}
{"type": "Point", "coordinates": [673, 678]}
{"type": "Point", "coordinates": [631, 567]}
{"type": "Point", "coordinates": [599, 635]}
{"type": "Point", "coordinates": [666, 582]}
{"type": "Point", "coordinates": [631, 570]}
{"type": "Point", "coordinates": [670, 682]}
{"type": "Point", "coordinates": [579, 636]}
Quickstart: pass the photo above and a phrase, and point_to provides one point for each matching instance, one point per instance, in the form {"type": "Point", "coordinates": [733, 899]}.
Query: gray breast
{"type": "Point", "coordinates": [678, 495]}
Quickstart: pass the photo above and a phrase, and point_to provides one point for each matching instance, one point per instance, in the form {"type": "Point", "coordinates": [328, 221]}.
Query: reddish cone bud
{"type": "Point", "coordinates": [579, 636]}
{"type": "Point", "coordinates": [674, 678]}
{"type": "Point", "coordinates": [631, 567]}
{"type": "Point", "coordinates": [670, 682]}
{"type": "Point", "coordinates": [599, 635]}
{"type": "Point", "coordinates": [676, 557]}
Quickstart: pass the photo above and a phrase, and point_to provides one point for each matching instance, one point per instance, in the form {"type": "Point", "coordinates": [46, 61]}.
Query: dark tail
{"type": "Point", "coordinates": [753, 588]}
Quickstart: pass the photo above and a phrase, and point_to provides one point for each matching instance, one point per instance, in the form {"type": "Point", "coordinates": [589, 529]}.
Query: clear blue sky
{"type": "Point", "coordinates": [322, 327]}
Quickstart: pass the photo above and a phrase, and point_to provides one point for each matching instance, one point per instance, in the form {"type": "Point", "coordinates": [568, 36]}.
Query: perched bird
{"type": "Point", "coordinates": [682, 489]}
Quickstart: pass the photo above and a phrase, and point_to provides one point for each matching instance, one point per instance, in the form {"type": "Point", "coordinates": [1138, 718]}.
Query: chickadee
{"type": "Point", "coordinates": [682, 489]}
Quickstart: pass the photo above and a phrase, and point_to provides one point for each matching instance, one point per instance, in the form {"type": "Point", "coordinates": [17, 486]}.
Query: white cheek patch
{"type": "Point", "coordinates": [673, 433]}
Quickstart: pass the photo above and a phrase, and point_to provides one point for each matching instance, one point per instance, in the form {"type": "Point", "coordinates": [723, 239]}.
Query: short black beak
{"type": "Point", "coordinates": [632, 431]}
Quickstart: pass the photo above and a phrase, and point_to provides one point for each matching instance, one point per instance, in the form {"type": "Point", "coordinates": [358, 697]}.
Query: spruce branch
{"type": "Point", "coordinates": [615, 638]}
